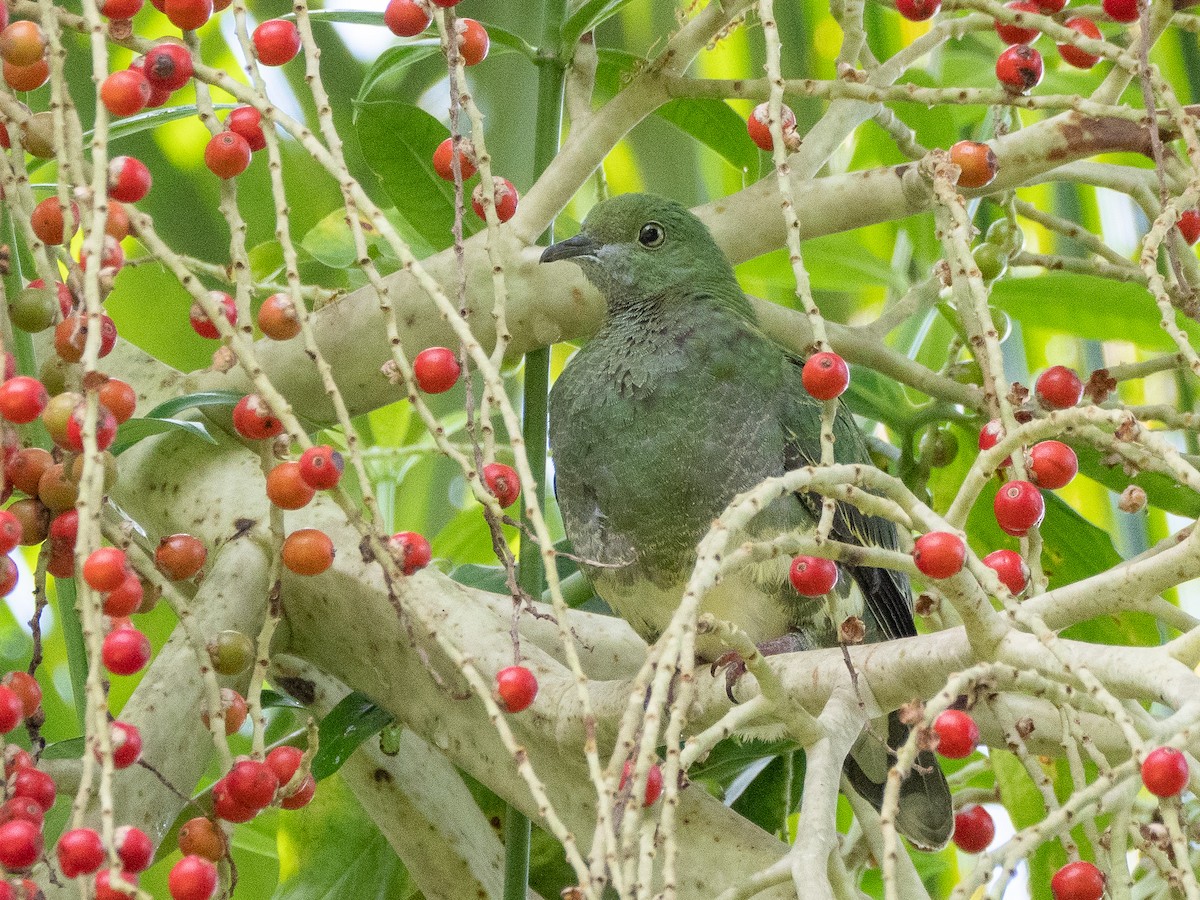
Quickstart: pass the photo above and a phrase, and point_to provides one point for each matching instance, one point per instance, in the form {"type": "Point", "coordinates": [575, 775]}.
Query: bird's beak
{"type": "Point", "coordinates": [580, 245]}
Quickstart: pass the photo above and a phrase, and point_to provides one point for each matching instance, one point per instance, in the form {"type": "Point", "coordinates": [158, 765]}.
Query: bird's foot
{"type": "Point", "coordinates": [734, 663]}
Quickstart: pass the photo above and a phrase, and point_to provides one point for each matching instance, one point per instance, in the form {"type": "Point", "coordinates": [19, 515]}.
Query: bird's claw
{"type": "Point", "coordinates": [735, 667]}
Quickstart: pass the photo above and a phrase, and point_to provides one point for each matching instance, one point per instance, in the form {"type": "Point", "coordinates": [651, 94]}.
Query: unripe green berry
{"type": "Point", "coordinates": [992, 261]}
{"type": "Point", "coordinates": [231, 653]}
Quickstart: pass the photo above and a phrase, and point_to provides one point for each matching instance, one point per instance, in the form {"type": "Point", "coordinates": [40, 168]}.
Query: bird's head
{"type": "Point", "coordinates": [639, 246]}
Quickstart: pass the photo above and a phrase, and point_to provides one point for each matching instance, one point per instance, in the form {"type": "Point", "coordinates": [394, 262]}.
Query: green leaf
{"type": "Point", "coordinates": [732, 756]}
{"type": "Point", "coordinates": [1165, 493]}
{"type": "Point", "coordinates": [587, 17]}
{"type": "Point", "coordinates": [393, 63]}
{"type": "Point", "coordinates": [136, 430]}
{"type": "Point", "coordinates": [334, 851]}
{"type": "Point", "coordinates": [69, 749]}
{"type": "Point", "coordinates": [170, 408]}
{"type": "Point", "coordinates": [274, 700]}
{"type": "Point", "coordinates": [1088, 307]}
{"type": "Point", "coordinates": [712, 122]}
{"type": "Point", "coordinates": [152, 118]}
{"type": "Point", "coordinates": [398, 141]}
{"type": "Point", "coordinates": [346, 726]}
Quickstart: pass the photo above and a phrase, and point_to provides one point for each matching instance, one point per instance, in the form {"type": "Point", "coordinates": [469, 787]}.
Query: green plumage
{"type": "Point", "coordinates": [679, 403]}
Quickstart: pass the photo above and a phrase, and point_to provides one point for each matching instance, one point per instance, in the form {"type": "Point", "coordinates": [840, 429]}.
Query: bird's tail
{"type": "Point", "coordinates": [926, 814]}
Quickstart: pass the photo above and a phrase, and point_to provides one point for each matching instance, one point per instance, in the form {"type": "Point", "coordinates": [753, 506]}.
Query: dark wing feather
{"type": "Point", "coordinates": [888, 599]}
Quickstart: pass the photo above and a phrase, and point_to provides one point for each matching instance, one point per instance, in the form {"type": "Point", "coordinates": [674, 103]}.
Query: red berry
{"type": "Point", "coordinates": [120, 9]}
{"type": "Point", "coordinates": [285, 761]}
{"type": "Point", "coordinates": [48, 224]}
{"type": "Point", "coordinates": [308, 551]}
{"type": "Point", "coordinates": [473, 41]}
{"type": "Point", "coordinates": [119, 398]}
{"type": "Point", "coordinates": [247, 121]}
{"type": "Point", "coordinates": [516, 687]}
{"type": "Point", "coordinates": [106, 429]}
{"type": "Point", "coordinates": [973, 829]}
{"type": "Point", "coordinates": [286, 487]}
{"type": "Point", "coordinates": [22, 808]}
{"type": "Point", "coordinates": [825, 375]}
{"type": "Point", "coordinates": [203, 325]}
{"type": "Point", "coordinates": [1165, 772]}
{"type": "Point", "coordinates": [411, 550]}
{"type": "Point", "coordinates": [1122, 10]}
{"type": "Point", "coordinates": [10, 531]}
{"type": "Point", "coordinates": [192, 878]}
{"type": "Point", "coordinates": [106, 568]}
{"type": "Point", "coordinates": [813, 576]}
{"type": "Point", "coordinates": [436, 370]}
{"type": "Point", "coordinates": [9, 575]}
{"type": "Point", "coordinates": [1010, 568]}
{"type": "Point", "coordinates": [188, 15]}
{"type": "Point", "coordinates": [80, 852]}
{"type": "Point", "coordinates": [252, 783]}
{"type": "Point", "coordinates": [168, 66]}
{"type": "Point", "coordinates": [126, 92]}
{"type": "Point", "coordinates": [302, 796]}
{"type": "Point", "coordinates": [407, 18]}
{"type": "Point", "coordinates": [127, 744]}
{"type": "Point", "coordinates": [918, 10]}
{"type": "Point", "coordinates": [1077, 881]}
{"type": "Point", "coordinates": [957, 734]}
{"type": "Point", "coordinates": [1052, 464]}
{"type": "Point", "coordinates": [321, 467]}
{"type": "Point", "coordinates": [253, 420]}
{"type": "Point", "coordinates": [180, 556]}
{"type": "Point", "coordinates": [12, 710]}
{"type": "Point", "coordinates": [1016, 34]}
{"type": "Point", "coordinates": [654, 782]}
{"type": "Point", "coordinates": [35, 785]}
{"type": "Point", "coordinates": [939, 554]}
{"type": "Point", "coordinates": [1072, 55]}
{"type": "Point", "coordinates": [126, 598]}
{"type": "Point", "coordinates": [443, 159]}
{"type": "Point", "coordinates": [126, 651]}
{"type": "Point", "coordinates": [202, 837]}
{"type": "Point", "coordinates": [27, 688]}
{"type": "Point", "coordinates": [1019, 507]}
{"type": "Point", "coordinates": [1058, 388]}
{"type": "Point", "coordinates": [1019, 68]}
{"type": "Point", "coordinates": [14, 759]}
{"type": "Point", "coordinates": [278, 319]}
{"type": "Point", "coordinates": [22, 399]}
{"type": "Point", "coordinates": [504, 196]}
{"type": "Point", "coordinates": [134, 848]}
{"type": "Point", "coordinates": [227, 154]}
{"type": "Point", "coordinates": [226, 807]}
{"type": "Point", "coordinates": [758, 124]}
{"type": "Point", "coordinates": [20, 844]}
{"type": "Point", "coordinates": [128, 179]}
{"type": "Point", "coordinates": [22, 43]}
{"type": "Point", "coordinates": [276, 41]}
{"type": "Point", "coordinates": [1050, 7]}
{"type": "Point", "coordinates": [502, 481]}
{"type": "Point", "coordinates": [27, 78]}
{"type": "Point", "coordinates": [977, 163]}
{"type": "Point", "coordinates": [106, 885]}
{"type": "Point", "coordinates": [1189, 222]}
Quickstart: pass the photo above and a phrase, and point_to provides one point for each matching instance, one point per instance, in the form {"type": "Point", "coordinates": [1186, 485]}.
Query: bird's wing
{"type": "Point", "coordinates": [887, 597]}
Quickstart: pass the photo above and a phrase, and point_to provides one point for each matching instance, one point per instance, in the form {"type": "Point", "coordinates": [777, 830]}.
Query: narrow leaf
{"type": "Point", "coordinates": [346, 726]}
{"type": "Point", "coordinates": [139, 429]}
{"type": "Point", "coordinates": [170, 408]}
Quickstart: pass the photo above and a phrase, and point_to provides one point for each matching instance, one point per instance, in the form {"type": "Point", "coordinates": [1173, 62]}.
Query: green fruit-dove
{"type": "Point", "coordinates": [679, 403]}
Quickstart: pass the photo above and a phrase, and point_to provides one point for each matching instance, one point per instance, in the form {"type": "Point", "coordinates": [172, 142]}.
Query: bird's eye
{"type": "Point", "coordinates": [652, 235]}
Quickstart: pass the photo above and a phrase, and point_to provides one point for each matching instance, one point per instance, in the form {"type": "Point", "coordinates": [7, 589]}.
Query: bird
{"type": "Point", "coordinates": [677, 404]}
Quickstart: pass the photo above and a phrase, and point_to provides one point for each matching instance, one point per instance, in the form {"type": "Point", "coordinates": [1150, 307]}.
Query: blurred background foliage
{"type": "Point", "coordinates": [389, 99]}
